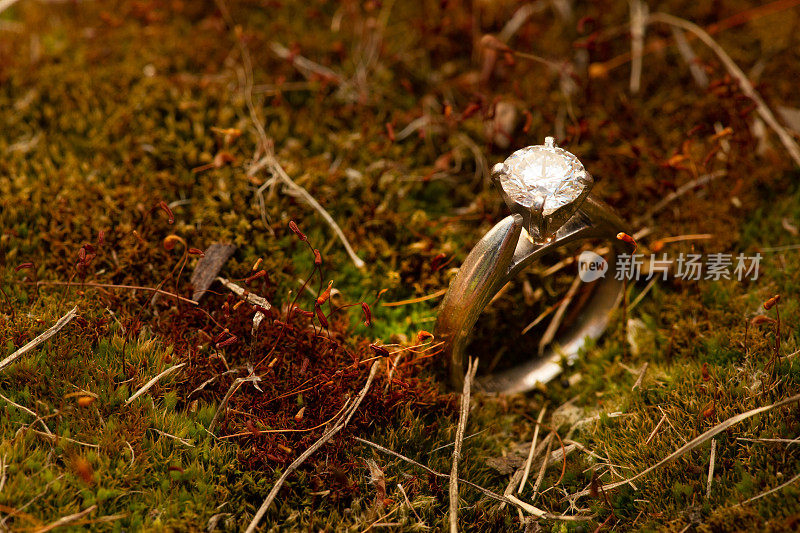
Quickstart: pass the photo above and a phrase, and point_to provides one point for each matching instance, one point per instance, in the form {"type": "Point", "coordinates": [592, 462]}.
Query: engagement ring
{"type": "Point", "coordinates": [547, 190]}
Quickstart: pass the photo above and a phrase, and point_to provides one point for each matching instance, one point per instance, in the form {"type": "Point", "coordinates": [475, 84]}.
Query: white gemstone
{"type": "Point", "coordinates": [546, 172]}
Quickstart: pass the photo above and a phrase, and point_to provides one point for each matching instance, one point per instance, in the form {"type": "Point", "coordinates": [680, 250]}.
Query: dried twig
{"type": "Point", "coordinates": [115, 286]}
{"type": "Point", "coordinates": [286, 430]}
{"type": "Point", "coordinates": [419, 299]}
{"type": "Point", "coordinates": [535, 511]}
{"type": "Point", "coordinates": [338, 426]}
{"type": "Point", "coordinates": [595, 418]}
{"type": "Point", "coordinates": [3, 472]}
{"type": "Point", "coordinates": [63, 321]}
{"type": "Point", "coordinates": [669, 422]}
{"type": "Point", "coordinates": [747, 88]}
{"type": "Point", "coordinates": [222, 405]}
{"type": "Point", "coordinates": [642, 294]}
{"type": "Point", "coordinates": [18, 511]}
{"type": "Point", "coordinates": [487, 492]}
{"type": "Point", "coordinates": [655, 429]}
{"type": "Point", "coordinates": [638, 11]}
{"type": "Point", "coordinates": [133, 455]}
{"type": "Point", "coordinates": [694, 443]}
{"type": "Point", "coordinates": [249, 297]}
{"type": "Point", "coordinates": [36, 416]}
{"type": "Point", "coordinates": [56, 438]}
{"type": "Point", "coordinates": [381, 521]}
{"type": "Point", "coordinates": [185, 442]}
{"type": "Point", "coordinates": [585, 450]}
{"type": "Point", "coordinates": [414, 125]}
{"type": "Point", "coordinates": [555, 323]}
{"type": "Point", "coordinates": [685, 49]}
{"type": "Point", "coordinates": [405, 496]}
{"type": "Point", "coordinates": [784, 441]}
{"type": "Point", "coordinates": [711, 462]}
{"type": "Point", "coordinates": [531, 451]}
{"type": "Point", "coordinates": [64, 520]}
{"type": "Point", "coordinates": [536, 321]}
{"type": "Point", "coordinates": [543, 468]}
{"type": "Point", "coordinates": [5, 4]}
{"type": "Point", "coordinates": [519, 18]}
{"type": "Point", "coordinates": [638, 384]}
{"type": "Point", "coordinates": [153, 381]}
{"type": "Point", "coordinates": [513, 483]}
{"type": "Point", "coordinates": [683, 189]}
{"type": "Point", "coordinates": [443, 446]}
{"type": "Point", "coordinates": [307, 67]}
{"type": "Point", "coordinates": [212, 379]}
{"type": "Point", "coordinates": [270, 161]}
{"type": "Point", "coordinates": [472, 368]}
{"type": "Point", "coordinates": [770, 491]}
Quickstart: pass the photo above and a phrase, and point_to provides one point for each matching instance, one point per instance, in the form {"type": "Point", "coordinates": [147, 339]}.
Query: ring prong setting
{"type": "Point", "coordinates": [585, 178]}
{"type": "Point", "coordinates": [537, 225]}
{"type": "Point", "coordinates": [500, 169]}
{"type": "Point", "coordinates": [545, 184]}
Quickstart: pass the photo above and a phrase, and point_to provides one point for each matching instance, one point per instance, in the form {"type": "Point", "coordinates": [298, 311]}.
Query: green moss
{"type": "Point", "coordinates": [106, 113]}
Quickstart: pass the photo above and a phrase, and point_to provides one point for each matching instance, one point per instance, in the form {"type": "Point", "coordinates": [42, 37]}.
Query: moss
{"type": "Point", "coordinates": [107, 113]}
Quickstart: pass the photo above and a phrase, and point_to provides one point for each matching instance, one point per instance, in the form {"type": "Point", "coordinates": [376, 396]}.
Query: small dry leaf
{"type": "Point", "coordinates": [378, 478]}
{"type": "Point", "coordinates": [209, 266]}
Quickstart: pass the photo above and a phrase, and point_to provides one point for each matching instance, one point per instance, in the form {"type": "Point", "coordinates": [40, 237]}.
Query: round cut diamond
{"type": "Point", "coordinates": [545, 174]}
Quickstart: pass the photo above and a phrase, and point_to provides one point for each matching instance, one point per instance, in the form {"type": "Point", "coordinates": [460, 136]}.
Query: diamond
{"type": "Point", "coordinates": [543, 174]}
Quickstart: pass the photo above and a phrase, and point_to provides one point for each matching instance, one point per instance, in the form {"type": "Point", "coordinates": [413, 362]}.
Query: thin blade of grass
{"type": "Point", "coordinates": [58, 326]}
{"type": "Point", "coordinates": [694, 443]}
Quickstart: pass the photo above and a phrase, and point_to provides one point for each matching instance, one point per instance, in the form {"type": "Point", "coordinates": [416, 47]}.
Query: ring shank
{"type": "Point", "coordinates": [499, 257]}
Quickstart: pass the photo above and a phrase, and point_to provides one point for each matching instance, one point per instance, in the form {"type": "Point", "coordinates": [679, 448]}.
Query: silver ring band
{"type": "Point", "coordinates": [500, 256]}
